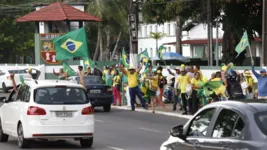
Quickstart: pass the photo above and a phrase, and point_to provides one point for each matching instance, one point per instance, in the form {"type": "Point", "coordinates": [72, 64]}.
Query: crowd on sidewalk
{"type": "Point", "coordinates": [188, 88]}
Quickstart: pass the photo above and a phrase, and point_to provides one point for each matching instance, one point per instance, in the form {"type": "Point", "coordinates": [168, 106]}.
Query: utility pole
{"type": "Point", "coordinates": [264, 34]}
{"type": "Point", "coordinates": [133, 22]}
{"type": "Point", "coordinates": [217, 42]}
{"type": "Point", "coordinates": [210, 35]}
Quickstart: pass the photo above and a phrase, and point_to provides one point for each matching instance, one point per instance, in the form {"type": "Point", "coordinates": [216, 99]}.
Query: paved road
{"type": "Point", "coordinates": [118, 130]}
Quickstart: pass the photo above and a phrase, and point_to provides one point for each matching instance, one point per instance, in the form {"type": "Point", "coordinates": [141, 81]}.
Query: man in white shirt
{"type": "Point", "coordinates": [176, 98]}
{"type": "Point", "coordinates": [190, 71]}
{"type": "Point", "coordinates": [80, 73]}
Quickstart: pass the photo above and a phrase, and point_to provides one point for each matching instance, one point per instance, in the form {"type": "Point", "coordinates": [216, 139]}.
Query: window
{"type": "Point", "coordinates": [92, 80]}
{"type": "Point", "coordinates": [169, 49]}
{"type": "Point", "coordinates": [156, 28]}
{"type": "Point", "coordinates": [261, 120]}
{"type": "Point", "coordinates": [228, 124]}
{"type": "Point", "coordinates": [17, 71]}
{"type": "Point", "coordinates": [151, 52]}
{"type": "Point", "coordinates": [169, 29]}
{"type": "Point", "coordinates": [22, 92]}
{"type": "Point", "coordinates": [1, 73]}
{"type": "Point", "coordinates": [60, 95]}
{"type": "Point", "coordinates": [200, 124]}
{"type": "Point", "coordinates": [150, 30]}
{"type": "Point", "coordinates": [141, 49]}
{"type": "Point", "coordinates": [145, 33]}
{"type": "Point", "coordinates": [198, 52]}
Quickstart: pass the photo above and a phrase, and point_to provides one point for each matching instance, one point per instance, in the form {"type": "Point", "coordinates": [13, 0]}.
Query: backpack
{"type": "Point", "coordinates": [234, 90]}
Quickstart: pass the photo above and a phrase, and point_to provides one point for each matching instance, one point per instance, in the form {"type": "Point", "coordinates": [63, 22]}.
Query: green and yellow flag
{"type": "Point", "coordinates": [143, 57]}
{"type": "Point", "coordinates": [72, 44]}
{"type": "Point", "coordinates": [21, 79]}
{"type": "Point", "coordinates": [159, 51]}
{"type": "Point", "coordinates": [243, 44]}
{"type": "Point", "coordinates": [124, 59]}
{"type": "Point", "coordinates": [68, 69]}
{"type": "Point", "coordinates": [87, 62]}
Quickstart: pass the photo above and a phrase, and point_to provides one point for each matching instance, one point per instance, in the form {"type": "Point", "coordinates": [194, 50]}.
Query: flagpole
{"type": "Point", "coordinates": [250, 54]}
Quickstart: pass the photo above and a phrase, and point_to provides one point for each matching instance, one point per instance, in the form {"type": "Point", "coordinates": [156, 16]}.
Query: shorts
{"type": "Point", "coordinates": [150, 93]}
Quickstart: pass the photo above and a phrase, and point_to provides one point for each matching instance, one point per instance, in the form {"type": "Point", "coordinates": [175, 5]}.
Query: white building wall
{"type": "Point", "coordinates": [146, 42]}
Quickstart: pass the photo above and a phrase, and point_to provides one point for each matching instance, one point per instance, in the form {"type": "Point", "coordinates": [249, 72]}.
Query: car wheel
{"type": "Point", "coordinates": [4, 87]}
{"type": "Point", "coordinates": [22, 142]}
{"type": "Point", "coordinates": [107, 108]}
{"type": "Point", "coordinates": [3, 136]}
{"type": "Point", "coordinates": [86, 143]}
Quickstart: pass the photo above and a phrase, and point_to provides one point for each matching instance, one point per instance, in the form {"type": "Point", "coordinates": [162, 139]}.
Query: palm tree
{"type": "Point", "coordinates": [157, 36]}
{"type": "Point", "coordinates": [113, 14]}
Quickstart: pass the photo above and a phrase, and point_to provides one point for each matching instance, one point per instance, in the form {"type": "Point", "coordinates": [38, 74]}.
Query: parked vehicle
{"type": "Point", "coordinates": [5, 82]}
{"type": "Point", "coordinates": [223, 125]}
{"type": "Point", "coordinates": [100, 94]}
{"type": "Point", "coordinates": [47, 109]}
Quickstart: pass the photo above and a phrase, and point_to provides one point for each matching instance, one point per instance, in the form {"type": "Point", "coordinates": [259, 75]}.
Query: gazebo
{"type": "Point", "coordinates": [52, 21]}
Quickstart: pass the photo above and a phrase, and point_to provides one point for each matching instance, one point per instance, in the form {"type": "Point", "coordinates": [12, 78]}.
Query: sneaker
{"type": "Point", "coordinates": [119, 104]}
{"type": "Point", "coordinates": [133, 109]}
{"type": "Point", "coordinates": [145, 107]}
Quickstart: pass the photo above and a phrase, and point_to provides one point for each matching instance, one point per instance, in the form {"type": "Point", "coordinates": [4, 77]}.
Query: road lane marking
{"type": "Point", "coordinates": [116, 148]}
{"type": "Point", "coordinates": [99, 120]}
{"type": "Point", "coordinates": [147, 129]}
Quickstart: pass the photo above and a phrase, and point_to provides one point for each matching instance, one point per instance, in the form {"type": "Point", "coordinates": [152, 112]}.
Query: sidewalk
{"type": "Point", "coordinates": [158, 110]}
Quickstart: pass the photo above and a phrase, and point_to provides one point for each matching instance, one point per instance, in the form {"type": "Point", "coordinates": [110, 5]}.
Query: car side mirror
{"type": "Point", "coordinates": [178, 131]}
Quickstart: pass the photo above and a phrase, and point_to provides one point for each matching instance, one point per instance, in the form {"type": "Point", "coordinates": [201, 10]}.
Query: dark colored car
{"type": "Point", "coordinates": [100, 94]}
{"type": "Point", "coordinates": [223, 125]}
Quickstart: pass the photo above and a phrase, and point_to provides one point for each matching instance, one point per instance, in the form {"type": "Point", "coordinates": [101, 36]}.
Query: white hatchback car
{"type": "Point", "coordinates": [47, 109]}
{"type": "Point", "coordinates": [5, 82]}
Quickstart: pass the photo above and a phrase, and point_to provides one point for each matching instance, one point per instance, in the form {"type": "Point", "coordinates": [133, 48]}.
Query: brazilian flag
{"type": "Point", "coordinates": [243, 44]}
{"type": "Point", "coordinates": [143, 57]}
{"type": "Point", "coordinates": [159, 51]}
{"type": "Point", "coordinates": [21, 79]}
{"type": "Point", "coordinates": [68, 69]}
{"type": "Point", "coordinates": [125, 60]}
{"type": "Point", "coordinates": [87, 62]}
{"type": "Point", "coordinates": [72, 44]}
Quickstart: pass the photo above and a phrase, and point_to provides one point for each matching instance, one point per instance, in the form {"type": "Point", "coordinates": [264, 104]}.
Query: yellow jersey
{"type": "Point", "coordinates": [116, 80]}
{"type": "Point", "coordinates": [195, 82]}
{"type": "Point", "coordinates": [132, 79]}
{"type": "Point", "coordinates": [183, 82]}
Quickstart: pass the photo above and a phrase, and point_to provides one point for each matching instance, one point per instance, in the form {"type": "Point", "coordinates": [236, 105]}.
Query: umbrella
{"type": "Point", "coordinates": [172, 56]}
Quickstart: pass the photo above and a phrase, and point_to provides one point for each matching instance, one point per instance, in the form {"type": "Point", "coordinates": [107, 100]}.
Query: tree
{"type": "Point", "coordinates": [113, 14]}
{"type": "Point", "coordinates": [157, 36]}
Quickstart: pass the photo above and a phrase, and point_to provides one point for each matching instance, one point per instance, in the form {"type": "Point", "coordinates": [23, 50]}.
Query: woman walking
{"type": "Point", "coordinates": [195, 85]}
{"type": "Point", "coordinates": [116, 88]}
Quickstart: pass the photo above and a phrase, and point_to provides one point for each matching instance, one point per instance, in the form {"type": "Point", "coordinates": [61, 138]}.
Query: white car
{"type": "Point", "coordinates": [47, 109]}
{"type": "Point", "coordinates": [5, 82]}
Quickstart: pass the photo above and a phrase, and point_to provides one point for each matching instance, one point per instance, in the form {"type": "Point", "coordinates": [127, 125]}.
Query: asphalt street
{"type": "Point", "coordinates": [116, 130]}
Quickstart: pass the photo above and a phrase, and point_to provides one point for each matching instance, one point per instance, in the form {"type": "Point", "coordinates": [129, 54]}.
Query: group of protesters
{"type": "Point", "coordinates": [187, 88]}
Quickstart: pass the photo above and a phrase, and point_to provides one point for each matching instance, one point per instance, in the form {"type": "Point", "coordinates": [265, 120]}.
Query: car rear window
{"type": "Point", "coordinates": [92, 80]}
{"type": "Point", "coordinates": [60, 95]}
{"type": "Point", "coordinates": [17, 71]}
{"type": "Point", "coordinates": [261, 120]}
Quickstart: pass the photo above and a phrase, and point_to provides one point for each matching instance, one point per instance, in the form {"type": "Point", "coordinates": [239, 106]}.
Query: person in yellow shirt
{"type": "Point", "coordinates": [154, 86]}
{"type": "Point", "coordinates": [134, 90]}
{"type": "Point", "coordinates": [220, 91]}
{"type": "Point", "coordinates": [105, 71]}
{"type": "Point", "coordinates": [250, 82]}
{"type": "Point", "coordinates": [197, 69]}
{"type": "Point", "coordinates": [116, 87]}
{"type": "Point", "coordinates": [183, 81]}
{"type": "Point", "coordinates": [195, 85]}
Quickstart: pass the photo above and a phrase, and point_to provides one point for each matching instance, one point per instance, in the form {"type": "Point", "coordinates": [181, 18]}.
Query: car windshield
{"type": "Point", "coordinates": [92, 80]}
{"type": "Point", "coordinates": [60, 95]}
{"type": "Point", "coordinates": [261, 120]}
{"type": "Point", "coordinates": [17, 71]}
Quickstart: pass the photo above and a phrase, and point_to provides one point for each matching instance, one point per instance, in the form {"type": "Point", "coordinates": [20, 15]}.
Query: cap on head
{"type": "Point", "coordinates": [158, 71]}
{"type": "Point", "coordinates": [247, 73]}
{"type": "Point", "coordinates": [262, 70]}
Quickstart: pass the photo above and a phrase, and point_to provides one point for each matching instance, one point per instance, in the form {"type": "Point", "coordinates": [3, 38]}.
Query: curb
{"type": "Point", "coordinates": [156, 112]}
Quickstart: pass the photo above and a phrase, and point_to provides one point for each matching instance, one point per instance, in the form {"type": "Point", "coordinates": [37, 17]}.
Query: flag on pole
{"type": "Point", "coordinates": [68, 69]}
{"type": "Point", "coordinates": [87, 62]}
{"type": "Point", "coordinates": [243, 44]}
{"type": "Point", "coordinates": [143, 57]}
{"type": "Point", "coordinates": [72, 44]}
{"type": "Point", "coordinates": [159, 51]}
{"type": "Point", "coordinates": [124, 59]}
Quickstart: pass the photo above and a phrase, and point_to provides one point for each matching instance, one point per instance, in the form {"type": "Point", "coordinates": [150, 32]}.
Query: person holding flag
{"type": "Point", "coordinates": [61, 74]}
